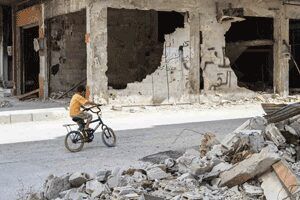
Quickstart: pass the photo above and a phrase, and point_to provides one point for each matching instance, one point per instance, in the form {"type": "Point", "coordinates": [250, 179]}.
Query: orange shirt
{"type": "Point", "coordinates": [76, 101]}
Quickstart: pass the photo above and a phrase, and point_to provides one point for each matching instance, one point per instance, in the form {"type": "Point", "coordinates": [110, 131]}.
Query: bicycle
{"type": "Point", "coordinates": [81, 136]}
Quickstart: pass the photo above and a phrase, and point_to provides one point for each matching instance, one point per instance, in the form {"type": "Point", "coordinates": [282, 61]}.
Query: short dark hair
{"type": "Point", "coordinates": [80, 88]}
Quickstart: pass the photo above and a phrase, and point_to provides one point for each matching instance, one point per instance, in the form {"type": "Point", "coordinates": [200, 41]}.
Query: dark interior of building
{"type": "Point", "coordinates": [249, 44]}
{"type": "Point", "coordinates": [295, 47]}
{"type": "Point", "coordinates": [136, 43]}
{"type": "Point", "coordinates": [7, 42]}
{"type": "Point", "coordinates": [30, 60]}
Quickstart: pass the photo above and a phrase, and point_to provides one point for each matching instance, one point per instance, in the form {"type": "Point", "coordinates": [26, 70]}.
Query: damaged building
{"type": "Point", "coordinates": [140, 52]}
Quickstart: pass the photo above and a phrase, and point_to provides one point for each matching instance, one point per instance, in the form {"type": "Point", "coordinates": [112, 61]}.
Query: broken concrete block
{"type": "Point", "coordinates": [216, 170]}
{"type": "Point", "coordinates": [290, 181]}
{"type": "Point", "coordinates": [156, 173]}
{"type": "Point", "coordinates": [94, 185]}
{"type": "Point", "coordinates": [77, 179]}
{"type": "Point", "coordinates": [73, 194]}
{"type": "Point", "coordinates": [114, 179]}
{"type": "Point", "coordinates": [250, 167]}
{"type": "Point", "coordinates": [273, 134]}
{"type": "Point", "coordinates": [256, 123]}
{"type": "Point", "coordinates": [216, 151]}
{"type": "Point", "coordinates": [252, 190]}
{"type": "Point", "coordinates": [54, 185]}
{"type": "Point", "coordinates": [272, 187]}
{"type": "Point", "coordinates": [231, 141]}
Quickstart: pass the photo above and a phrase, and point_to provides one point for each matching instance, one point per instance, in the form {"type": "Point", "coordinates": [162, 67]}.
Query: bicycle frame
{"type": "Point", "coordinates": [99, 124]}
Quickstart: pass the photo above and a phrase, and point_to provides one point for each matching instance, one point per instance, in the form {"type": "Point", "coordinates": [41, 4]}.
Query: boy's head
{"type": "Point", "coordinates": [80, 89]}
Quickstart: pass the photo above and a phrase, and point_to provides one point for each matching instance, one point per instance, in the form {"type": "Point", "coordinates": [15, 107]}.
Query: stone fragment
{"type": "Point", "coordinates": [156, 174]}
{"type": "Point", "coordinates": [250, 167]}
{"type": "Point", "coordinates": [77, 179]}
{"type": "Point", "coordinates": [272, 187]}
{"type": "Point", "coordinates": [256, 123]}
{"type": "Point", "coordinates": [273, 134]}
{"type": "Point", "coordinates": [93, 185]}
{"type": "Point", "coordinates": [252, 190]}
{"type": "Point", "coordinates": [74, 195]}
{"type": "Point", "coordinates": [114, 180]}
{"type": "Point", "coordinates": [216, 170]}
{"type": "Point", "coordinates": [216, 151]}
{"type": "Point", "coordinates": [54, 185]}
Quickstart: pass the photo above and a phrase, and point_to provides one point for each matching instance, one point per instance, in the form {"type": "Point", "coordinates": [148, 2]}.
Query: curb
{"type": "Point", "coordinates": [32, 115]}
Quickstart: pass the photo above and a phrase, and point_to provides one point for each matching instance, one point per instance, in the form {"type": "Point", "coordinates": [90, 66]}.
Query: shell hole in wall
{"type": "Point", "coordinates": [249, 46]}
{"type": "Point", "coordinates": [136, 43]}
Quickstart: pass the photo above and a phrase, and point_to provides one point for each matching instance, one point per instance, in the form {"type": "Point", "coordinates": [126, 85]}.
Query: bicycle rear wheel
{"type": "Point", "coordinates": [109, 137]}
{"type": "Point", "coordinates": [74, 141]}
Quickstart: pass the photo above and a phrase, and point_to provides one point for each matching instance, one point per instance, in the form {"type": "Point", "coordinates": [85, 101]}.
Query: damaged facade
{"type": "Point", "coordinates": [146, 52]}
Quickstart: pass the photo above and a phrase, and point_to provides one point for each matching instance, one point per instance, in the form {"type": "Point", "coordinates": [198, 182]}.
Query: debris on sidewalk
{"type": "Point", "coordinates": [259, 160]}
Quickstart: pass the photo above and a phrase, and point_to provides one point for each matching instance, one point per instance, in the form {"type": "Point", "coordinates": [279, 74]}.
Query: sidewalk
{"type": "Point", "coordinates": [121, 120]}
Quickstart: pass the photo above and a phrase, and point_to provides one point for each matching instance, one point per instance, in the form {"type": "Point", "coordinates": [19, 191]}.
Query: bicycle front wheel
{"type": "Point", "coordinates": [109, 137]}
{"type": "Point", "coordinates": [74, 141]}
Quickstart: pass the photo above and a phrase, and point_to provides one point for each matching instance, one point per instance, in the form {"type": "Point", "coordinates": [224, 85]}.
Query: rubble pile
{"type": "Point", "coordinates": [259, 160]}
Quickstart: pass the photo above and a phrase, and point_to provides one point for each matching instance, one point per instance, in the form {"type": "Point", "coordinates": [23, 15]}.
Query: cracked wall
{"type": "Point", "coordinates": [208, 24]}
{"type": "Point", "coordinates": [67, 50]}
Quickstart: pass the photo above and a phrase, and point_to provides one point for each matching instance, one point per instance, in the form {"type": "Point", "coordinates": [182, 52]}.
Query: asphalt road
{"type": "Point", "coordinates": [25, 166]}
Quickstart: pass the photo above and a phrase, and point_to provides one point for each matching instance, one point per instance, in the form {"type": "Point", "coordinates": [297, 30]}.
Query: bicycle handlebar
{"type": "Point", "coordinates": [95, 106]}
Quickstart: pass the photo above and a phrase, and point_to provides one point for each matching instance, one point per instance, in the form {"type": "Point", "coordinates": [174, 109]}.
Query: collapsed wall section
{"type": "Point", "coordinates": [147, 62]}
{"type": "Point", "coordinates": [67, 49]}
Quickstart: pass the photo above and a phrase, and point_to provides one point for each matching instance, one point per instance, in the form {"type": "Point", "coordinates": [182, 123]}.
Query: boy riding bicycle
{"type": "Point", "coordinates": [78, 100]}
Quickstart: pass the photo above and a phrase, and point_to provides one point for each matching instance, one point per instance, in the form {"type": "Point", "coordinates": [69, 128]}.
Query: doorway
{"type": "Point", "coordinates": [30, 60]}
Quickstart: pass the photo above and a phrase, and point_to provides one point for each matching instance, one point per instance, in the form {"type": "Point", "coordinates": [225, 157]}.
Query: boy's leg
{"type": "Point", "coordinates": [89, 118]}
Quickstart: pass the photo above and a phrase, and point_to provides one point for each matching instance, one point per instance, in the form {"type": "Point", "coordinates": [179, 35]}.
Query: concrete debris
{"type": "Point", "coordinates": [252, 190]}
{"type": "Point", "coordinates": [273, 134]}
{"type": "Point", "coordinates": [54, 185]}
{"type": "Point", "coordinates": [156, 173]}
{"type": "Point", "coordinates": [77, 179]}
{"type": "Point", "coordinates": [249, 168]}
{"type": "Point", "coordinates": [256, 161]}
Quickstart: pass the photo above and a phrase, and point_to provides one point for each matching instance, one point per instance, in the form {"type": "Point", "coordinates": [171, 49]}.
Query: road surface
{"type": "Point", "coordinates": [24, 166]}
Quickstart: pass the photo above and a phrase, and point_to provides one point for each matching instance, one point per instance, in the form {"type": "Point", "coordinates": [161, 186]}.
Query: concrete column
{"type": "Point", "coordinates": [97, 53]}
{"type": "Point", "coordinates": [194, 76]}
{"type": "Point", "coordinates": [44, 71]}
{"type": "Point", "coordinates": [281, 53]}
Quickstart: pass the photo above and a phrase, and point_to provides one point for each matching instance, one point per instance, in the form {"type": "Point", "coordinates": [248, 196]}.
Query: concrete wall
{"type": "Point", "coordinates": [67, 50]}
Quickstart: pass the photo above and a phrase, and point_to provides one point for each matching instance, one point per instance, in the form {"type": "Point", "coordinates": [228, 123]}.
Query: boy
{"type": "Point", "coordinates": [77, 101]}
